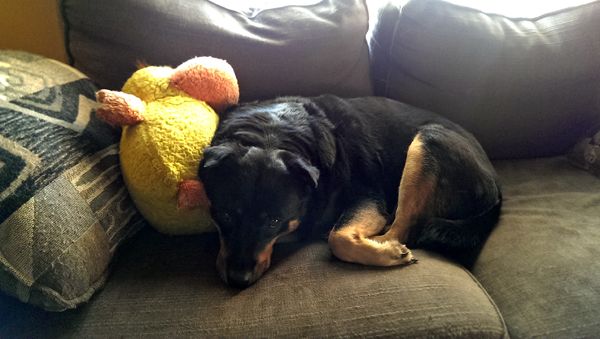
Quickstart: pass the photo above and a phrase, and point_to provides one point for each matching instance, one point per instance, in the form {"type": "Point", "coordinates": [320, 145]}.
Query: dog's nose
{"type": "Point", "coordinates": [240, 279]}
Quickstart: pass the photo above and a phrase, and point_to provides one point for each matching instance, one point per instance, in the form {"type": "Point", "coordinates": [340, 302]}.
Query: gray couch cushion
{"type": "Point", "coordinates": [292, 50]}
{"type": "Point", "coordinates": [524, 86]}
{"type": "Point", "coordinates": [168, 286]}
{"type": "Point", "coordinates": [540, 265]}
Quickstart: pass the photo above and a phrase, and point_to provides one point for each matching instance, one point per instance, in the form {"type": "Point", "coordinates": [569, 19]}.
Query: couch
{"type": "Point", "coordinates": [527, 84]}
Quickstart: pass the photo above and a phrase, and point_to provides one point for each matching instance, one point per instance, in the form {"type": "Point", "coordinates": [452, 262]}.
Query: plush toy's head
{"type": "Point", "coordinates": [168, 118]}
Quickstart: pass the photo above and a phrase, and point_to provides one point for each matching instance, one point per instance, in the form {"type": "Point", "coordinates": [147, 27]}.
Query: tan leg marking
{"type": "Point", "coordinates": [414, 194]}
{"type": "Point", "coordinates": [358, 241]}
{"type": "Point", "coordinates": [353, 241]}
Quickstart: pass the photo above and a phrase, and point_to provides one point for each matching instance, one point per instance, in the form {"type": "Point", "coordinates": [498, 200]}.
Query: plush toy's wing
{"type": "Point", "coordinates": [119, 109]}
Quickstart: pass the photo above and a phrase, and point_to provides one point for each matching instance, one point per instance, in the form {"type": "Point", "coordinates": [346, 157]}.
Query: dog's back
{"type": "Point", "coordinates": [373, 135]}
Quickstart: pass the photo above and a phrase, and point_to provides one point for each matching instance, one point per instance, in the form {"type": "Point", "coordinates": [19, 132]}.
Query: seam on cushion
{"type": "Point", "coordinates": [85, 296]}
{"type": "Point", "coordinates": [94, 286]}
{"type": "Point", "coordinates": [500, 317]}
{"type": "Point", "coordinates": [72, 303]}
{"type": "Point", "coordinates": [539, 17]}
{"type": "Point", "coordinates": [6, 265]}
{"type": "Point", "coordinates": [35, 279]}
{"type": "Point", "coordinates": [50, 264]}
{"type": "Point", "coordinates": [57, 296]}
{"type": "Point", "coordinates": [60, 303]}
{"type": "Point", "coordinates": [66, 29]}
{"type": "Point", "coordinates": [388, 75]}
{"type": "Point", "coordinates": [359, 58]}
{"type": "Point", "coordinates": [350, 73]}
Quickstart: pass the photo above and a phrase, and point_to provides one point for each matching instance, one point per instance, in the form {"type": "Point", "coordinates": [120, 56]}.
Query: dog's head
{"type": "Point", "coordinates": [257, 195]}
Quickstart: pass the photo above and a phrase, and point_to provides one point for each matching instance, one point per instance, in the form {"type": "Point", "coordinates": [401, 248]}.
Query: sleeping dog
{"type": "Point", "coordinates": [372, 173]}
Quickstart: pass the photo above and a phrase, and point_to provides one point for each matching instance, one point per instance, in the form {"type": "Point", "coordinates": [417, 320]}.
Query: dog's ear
{"type": "Point", "coordinates": [305, 170]}
{"type": "Point", "coordinates": [322, 130]}
{"type": "Point", "coordinates": [215, 154]}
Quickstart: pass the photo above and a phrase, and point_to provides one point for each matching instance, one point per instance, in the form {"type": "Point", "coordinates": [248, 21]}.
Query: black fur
{"type": "Point", "coordinates": [313, 159]}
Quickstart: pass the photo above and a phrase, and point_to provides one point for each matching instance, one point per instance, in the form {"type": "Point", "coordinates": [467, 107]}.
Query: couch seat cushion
{"type": "Point", "coordinates": [540, 265]}
{"type": "Point", "coordinates": [168, 286]}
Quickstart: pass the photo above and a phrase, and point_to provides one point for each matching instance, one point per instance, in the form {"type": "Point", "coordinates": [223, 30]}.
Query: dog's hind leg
{"type": "Point", "coordinates": [352, 240]}
{"type": "Point", "coordinates": [415, 194]}
{"type": "Point", "coordinates": [358, 241]}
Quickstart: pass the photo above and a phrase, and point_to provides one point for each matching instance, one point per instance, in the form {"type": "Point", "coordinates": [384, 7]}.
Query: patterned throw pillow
{"type": "Point", "coordinates": [63, 205]}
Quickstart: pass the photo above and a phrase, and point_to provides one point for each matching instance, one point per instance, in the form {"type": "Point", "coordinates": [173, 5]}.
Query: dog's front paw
{"type": "Point", "coordinates": [394, 253]}
{"type": "Point", "coordinates": [402, 255]}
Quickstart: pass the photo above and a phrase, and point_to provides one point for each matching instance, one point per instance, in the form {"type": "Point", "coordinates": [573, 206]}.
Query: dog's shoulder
{"type": "Point", "coordinates": [356, 131]}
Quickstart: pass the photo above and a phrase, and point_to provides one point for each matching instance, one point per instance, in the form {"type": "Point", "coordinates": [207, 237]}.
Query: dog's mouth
{"type": "Point", "coordinates": [242, 277]}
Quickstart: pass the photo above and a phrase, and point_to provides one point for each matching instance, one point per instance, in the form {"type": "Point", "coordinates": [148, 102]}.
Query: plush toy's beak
{"type": "Point", "coordinates": [119, 109]}
{"type": "Point", "coordinates": [208, 79]}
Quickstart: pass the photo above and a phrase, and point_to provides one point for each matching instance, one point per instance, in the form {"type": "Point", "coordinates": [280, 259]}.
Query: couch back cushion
{"type": "Point", "coordinates": [524, 86]}
{"type": "Point", "coordinates": [291, 50]}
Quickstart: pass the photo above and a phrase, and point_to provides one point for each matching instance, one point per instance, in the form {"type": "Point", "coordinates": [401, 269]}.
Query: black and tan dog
{"type": "Point", "coordinates": [373, 172]}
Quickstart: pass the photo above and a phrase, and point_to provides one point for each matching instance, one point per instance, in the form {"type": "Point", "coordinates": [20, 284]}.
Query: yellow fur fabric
{"type": "Point", "coordinates": [165, 149]}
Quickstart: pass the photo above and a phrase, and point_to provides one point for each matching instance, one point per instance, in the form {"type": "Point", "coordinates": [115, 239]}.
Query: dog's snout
{"type": "Point", "coordinates": [240, 278]}
{"type": "Point", "coordinates": [240, 264]}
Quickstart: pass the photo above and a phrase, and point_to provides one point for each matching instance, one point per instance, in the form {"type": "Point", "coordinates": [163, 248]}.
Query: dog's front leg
{"type": "Point", "coordinates": [354, 240]}
{"type": "Point", "coordinates": [357, 240]}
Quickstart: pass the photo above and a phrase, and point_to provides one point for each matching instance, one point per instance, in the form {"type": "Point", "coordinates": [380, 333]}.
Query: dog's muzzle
{"type": "Point", "coordinates": [243, 275]}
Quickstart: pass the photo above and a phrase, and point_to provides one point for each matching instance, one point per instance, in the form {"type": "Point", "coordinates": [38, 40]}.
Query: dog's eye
{"type": "Point", "coordinates": [225, 217]}
{"type": "Point", "coordinates": [274, 223]}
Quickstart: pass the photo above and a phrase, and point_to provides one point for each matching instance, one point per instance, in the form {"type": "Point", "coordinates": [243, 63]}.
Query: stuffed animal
{"type": "Point", "coordinates": [168, 117]}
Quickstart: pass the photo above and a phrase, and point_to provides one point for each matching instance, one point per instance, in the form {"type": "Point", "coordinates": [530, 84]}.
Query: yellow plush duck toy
{"type": "Point", "coordinates": [168, 118]}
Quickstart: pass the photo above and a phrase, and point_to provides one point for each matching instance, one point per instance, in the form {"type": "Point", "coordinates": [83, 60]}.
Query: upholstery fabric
{"type": "Point", "coordinates": [540, 265]}
{"type": "Point", "coordinates": [292, 50]}
{"type": "Point", "coordinates": [63, 206]}
{"type": "Point", "coordinates": [524, 86]}
{"type": "Point", "coordinates": [169, 287]}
